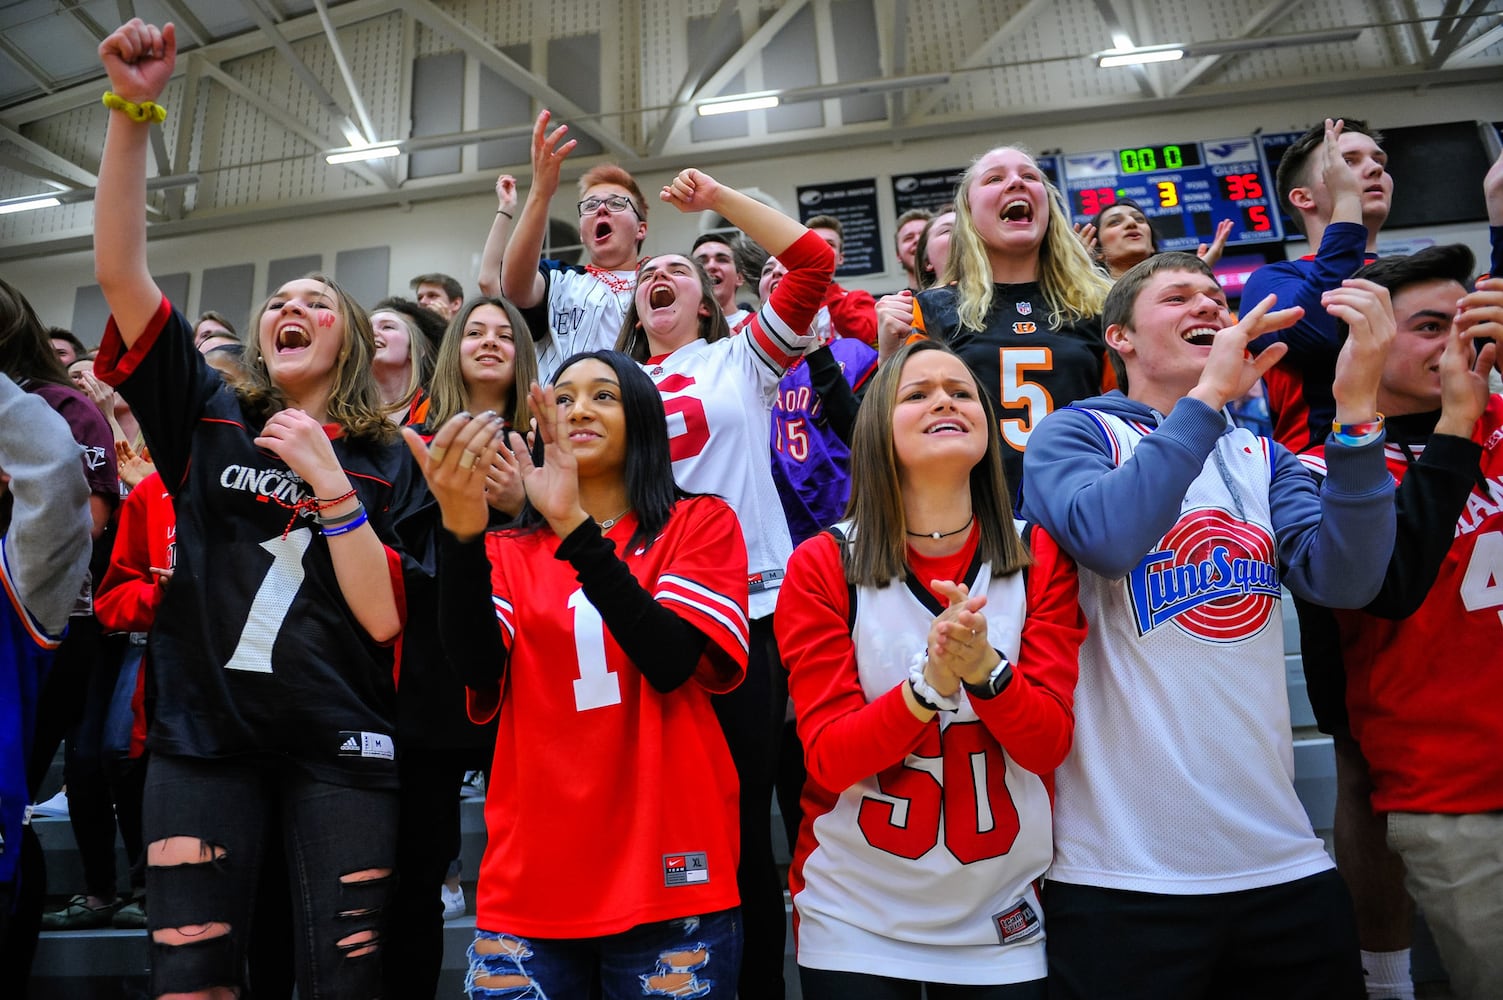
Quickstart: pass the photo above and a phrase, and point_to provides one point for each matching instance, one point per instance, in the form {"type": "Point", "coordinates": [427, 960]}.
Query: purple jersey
{"type": "Point", "coordinates": [810, 463]}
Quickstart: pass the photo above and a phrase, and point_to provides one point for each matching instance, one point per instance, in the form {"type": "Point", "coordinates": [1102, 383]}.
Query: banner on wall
{"type": "Point", "coordinates": [927, 190]}
{"type": "Point", "coordinates": [854, 203]}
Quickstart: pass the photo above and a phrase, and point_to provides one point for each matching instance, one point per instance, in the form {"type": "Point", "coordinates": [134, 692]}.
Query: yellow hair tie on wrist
{"type": "Point", "coordinates": [146, 111]}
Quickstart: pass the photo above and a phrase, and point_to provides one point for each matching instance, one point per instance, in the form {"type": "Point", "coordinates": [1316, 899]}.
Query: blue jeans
{"type": "Point", "coordinates": [687, 957]}
{"type": "Point", "coordinates": [333, 836]}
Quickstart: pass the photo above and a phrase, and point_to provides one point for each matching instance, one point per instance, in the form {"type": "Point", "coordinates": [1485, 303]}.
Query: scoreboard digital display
{"type": "Point", "coordinates": [1185, 189]}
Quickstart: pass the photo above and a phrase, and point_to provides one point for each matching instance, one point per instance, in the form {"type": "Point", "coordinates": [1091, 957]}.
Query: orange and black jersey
{"type": "Point", "coordinates": [1029, 366]}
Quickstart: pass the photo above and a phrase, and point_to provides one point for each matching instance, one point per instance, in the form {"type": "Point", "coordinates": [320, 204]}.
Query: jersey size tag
{"type": "Point", "coordinates": [375, 745]}
{"type": "Point", "coordinates": [1017, 924]}
{"type": "Point", "coordinates": [685, 869]}
{"type": "Point", "coordinates": [769, 579]}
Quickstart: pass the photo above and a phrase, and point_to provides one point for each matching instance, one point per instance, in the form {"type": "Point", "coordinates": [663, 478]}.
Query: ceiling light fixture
{"type": "Point", "coordinates": [28, 204]}
{"type": "Point", "coordinates": [1139, 56]}
{"type": "Point", "coordinates": [374, 151]}
{"type": "Point", "coordinates": [741, 102]}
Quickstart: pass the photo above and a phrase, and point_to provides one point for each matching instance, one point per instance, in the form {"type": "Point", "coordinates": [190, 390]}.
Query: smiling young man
{"type": "Point", "coordinates": [1424, 723]}
{"type": "Point", "coordinates": [584, 303]}
{"type": "Point", "coordinates": [1184, 864]}
{"type": "Point", "coordinates": [717, 256]}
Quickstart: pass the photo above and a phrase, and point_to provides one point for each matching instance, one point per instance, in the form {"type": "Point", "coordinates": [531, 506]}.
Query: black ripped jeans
{"type": "Point", "coordinates": [330, 832]}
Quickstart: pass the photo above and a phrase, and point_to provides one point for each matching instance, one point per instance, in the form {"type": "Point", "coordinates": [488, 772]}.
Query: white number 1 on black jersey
{"type": "Point", "coordinates": [272, 602]}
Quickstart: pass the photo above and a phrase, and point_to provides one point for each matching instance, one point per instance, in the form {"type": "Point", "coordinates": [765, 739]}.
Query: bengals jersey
{"type": "Point", "coordinates": [610, 804]}
{"type": "Point", "coordinates": [255, 649]}
{"type": "Point", "coordinates": [1028, 366]}
{"type": "Point", "coordinates": [921, 842]}
{"type": "Point", "coordinates": [718, 397]}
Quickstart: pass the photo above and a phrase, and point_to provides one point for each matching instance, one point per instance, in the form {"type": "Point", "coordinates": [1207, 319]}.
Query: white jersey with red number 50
{"type": "Point", "coordinates": [718, 398]}
{"type": "Point", "coordinates": [921, 843]}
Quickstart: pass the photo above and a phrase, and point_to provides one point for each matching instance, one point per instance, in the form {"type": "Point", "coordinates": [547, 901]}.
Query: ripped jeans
{"type": "Point", "coordinates": [687, 957]}
{"type": "Point", "coordinates": [205, 825]}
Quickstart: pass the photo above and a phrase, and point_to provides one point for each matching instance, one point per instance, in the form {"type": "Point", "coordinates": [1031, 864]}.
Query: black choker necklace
{"type": "Point", "coordinates": [937, 535]}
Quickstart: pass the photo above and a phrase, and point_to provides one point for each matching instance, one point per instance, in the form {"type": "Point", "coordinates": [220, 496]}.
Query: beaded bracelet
{"type": "Point", "coordinates": [334, 522]}
{"type": "Point", "coordinates": [345, 529]}
{"type": "Point", "coordinates": [146, 111]}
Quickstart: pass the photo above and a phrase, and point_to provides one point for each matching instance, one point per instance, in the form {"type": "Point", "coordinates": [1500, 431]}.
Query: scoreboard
{"type": "Point", "coordinates": [1185, 189]}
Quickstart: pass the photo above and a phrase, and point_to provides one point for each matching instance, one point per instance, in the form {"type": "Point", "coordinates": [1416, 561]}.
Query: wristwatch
{"type": "Point", "coordinates": [996, 682]}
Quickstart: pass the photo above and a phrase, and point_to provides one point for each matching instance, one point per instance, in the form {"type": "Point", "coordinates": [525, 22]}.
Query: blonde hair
{"type": "Point", "coordinates": [448, 394]}
{"type": "Point", "coordinates": [354, 399]}
{"type": "Point", "coordinates": [1072, 286]}
{"type": "Point", "coordinates": [878, 554]}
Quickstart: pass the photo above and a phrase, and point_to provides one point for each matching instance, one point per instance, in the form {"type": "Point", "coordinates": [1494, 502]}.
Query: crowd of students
{"type": "Point", "coordinates": [980, 578]}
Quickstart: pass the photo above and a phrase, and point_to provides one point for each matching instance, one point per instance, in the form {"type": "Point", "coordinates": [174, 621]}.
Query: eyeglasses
{"type": "Point", "coordinates": [615, 203]}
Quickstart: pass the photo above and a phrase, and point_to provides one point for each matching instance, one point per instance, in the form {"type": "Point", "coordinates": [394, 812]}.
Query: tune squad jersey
{"type": "Point", "coordinates": [255, 650]}
{"type": "Point", "coordinates": [921, 842]}
{"type": "Point", "coordinates": [718, 396]}
{"type": "Point", "coordinates": [609, 803]}
{"type": "Point", "coordinates": [1027, 365]}
{"type": "Point", "coordinates": [1181, 779]}
{"type": "Point", "coordinates": [1424, 692]}
{"type": "Point", "coordinates": [810, 463]}
{"type": "Point", "coordinates": [586, 305]}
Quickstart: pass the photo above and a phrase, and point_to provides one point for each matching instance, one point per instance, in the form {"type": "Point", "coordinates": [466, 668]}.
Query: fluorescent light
{"type": "Point", "coordinates": [750, 103]}
{"type": "Point", "coordinates": [375, 151]}
{"type": "Point", "coordinates": [1138, 57]}
{"type": "Point", "coordinates": [28, 204]}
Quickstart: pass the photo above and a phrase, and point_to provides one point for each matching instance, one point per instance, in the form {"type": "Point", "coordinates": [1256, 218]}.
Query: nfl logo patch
{"type": "Point", "coordinates": [1025, 308]}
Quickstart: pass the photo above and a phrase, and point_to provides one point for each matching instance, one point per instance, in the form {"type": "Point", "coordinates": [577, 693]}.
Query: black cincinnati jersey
{"type": "Point", "coordinates": [255, 651]}
{"type": "Point", "coordinates": [1028, 366]}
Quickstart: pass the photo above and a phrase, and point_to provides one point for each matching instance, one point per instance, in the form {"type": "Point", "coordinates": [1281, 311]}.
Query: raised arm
{"type": "Point", "coordinates": [495, 240]}
{"type": "Point", "coordinates": [520, 279]}
{"type": "Point", "coordinates": [139, 59]}
{"type": "Point", "coordinates": [697, 191]}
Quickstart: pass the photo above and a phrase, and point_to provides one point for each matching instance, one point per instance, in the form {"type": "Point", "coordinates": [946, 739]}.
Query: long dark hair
{"type": "Point", "coordinates": [26, 352]}
{"type": "Point", "coordinates": [650, 488]}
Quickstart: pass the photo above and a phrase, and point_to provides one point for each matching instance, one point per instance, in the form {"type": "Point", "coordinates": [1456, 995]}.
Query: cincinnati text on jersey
{"type": "Point", "coordinates": [284, 484]}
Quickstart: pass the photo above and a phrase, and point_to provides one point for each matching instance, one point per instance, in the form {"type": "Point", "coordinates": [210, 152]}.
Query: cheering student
{"type": "Point", "coordinates": [613, 610]}
{"type": "Point", "coordinates": [932, 662]}
{"type": "Point", "coordinates": [719, 390]}
{"type": "Point", "coordinates": [273, 650]}
{"type": "Point", "coordinates": [1018, 299]}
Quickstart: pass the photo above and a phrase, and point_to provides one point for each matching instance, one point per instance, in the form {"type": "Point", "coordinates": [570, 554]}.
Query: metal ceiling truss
{"type": "Point", "coordinates": [1435, 55]}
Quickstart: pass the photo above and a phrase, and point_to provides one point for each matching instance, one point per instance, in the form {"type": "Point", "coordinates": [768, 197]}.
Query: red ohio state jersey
{"type": "Point", "coordinates": [1424, 692]}
{"type": "Point", "coordinates": [611, 804]}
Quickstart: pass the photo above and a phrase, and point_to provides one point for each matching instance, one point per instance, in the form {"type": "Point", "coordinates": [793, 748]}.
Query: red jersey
{"type": "Point", "coordinates": [147, 537]}
{"type": "Point", "coordinates": [610, 804]}
{"type": "Point", "coordinates": [1423, 692]}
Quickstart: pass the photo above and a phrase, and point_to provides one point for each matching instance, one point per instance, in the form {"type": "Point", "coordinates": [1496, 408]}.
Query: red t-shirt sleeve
{"type": "Point", "coordinates": [1034, 718]}
{"type": "Point", "coordinates": [845, 737]}
{"type": "Point", "coordinates": [129, 594]}
{"type": "Point", "coordinates": [853, 313]}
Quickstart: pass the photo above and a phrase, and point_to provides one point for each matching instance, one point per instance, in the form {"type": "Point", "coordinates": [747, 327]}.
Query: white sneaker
{"type": "Point", "coordinates": [55, 806]}
{"type": "Point", "coordinates": [453, 901]}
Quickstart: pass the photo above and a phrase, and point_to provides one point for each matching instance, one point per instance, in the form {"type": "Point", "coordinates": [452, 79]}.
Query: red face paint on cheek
{"type": "Point", "coordinates": [326, 318]}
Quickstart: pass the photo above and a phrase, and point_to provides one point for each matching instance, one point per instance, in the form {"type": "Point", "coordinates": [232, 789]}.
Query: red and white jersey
{"type": "Point", "coordinates": [1425, 692]}
{"type": "Point", "coordinates": [922, 842]}
{"type": "Point", "coordinates": [146, 539]}
{"type": "Point", "coordinates": [610, 804]}
{"type": "Point", "coordinates": [719, 398]}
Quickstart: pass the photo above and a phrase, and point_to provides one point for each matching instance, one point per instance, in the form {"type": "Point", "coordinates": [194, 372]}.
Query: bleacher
{"type": "Point", "coordinates": [111, 964]}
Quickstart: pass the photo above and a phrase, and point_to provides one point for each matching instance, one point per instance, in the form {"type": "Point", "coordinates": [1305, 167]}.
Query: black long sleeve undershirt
{"type": "Point", "coordinates": [840, 402]}
{"type": "Point", "coordinates": [663, 646]}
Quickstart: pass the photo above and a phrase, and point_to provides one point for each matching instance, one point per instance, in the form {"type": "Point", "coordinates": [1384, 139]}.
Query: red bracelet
{"type": "Point", "coordinates": [309, 505]}
{"type": "Point", "coordinates": [1358, 430]}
